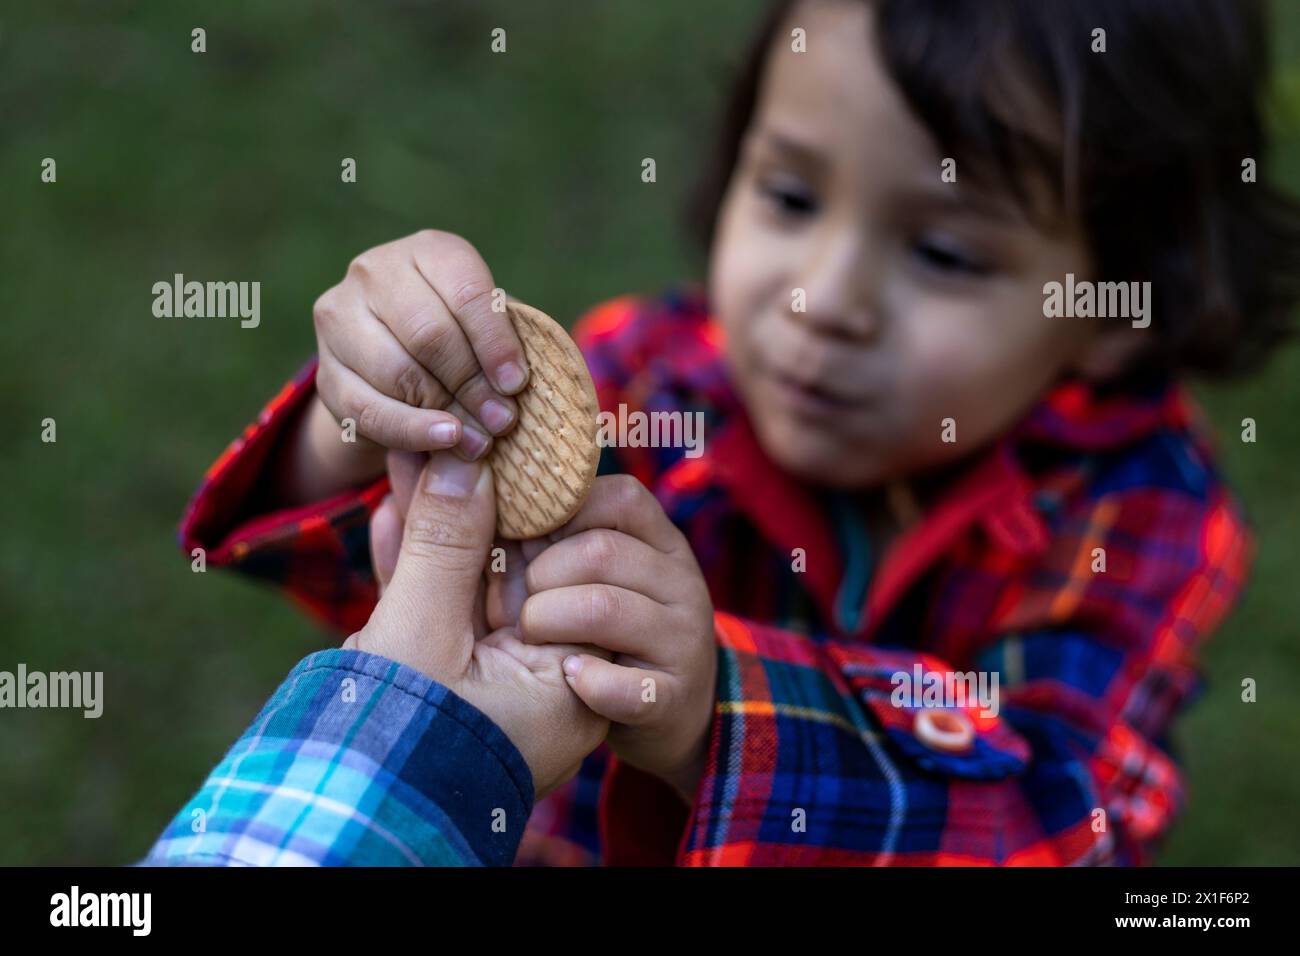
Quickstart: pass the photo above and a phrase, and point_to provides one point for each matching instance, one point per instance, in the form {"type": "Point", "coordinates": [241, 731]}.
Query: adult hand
{"type": "Point", "coordinates": [506, 588]}
{"type": "Point", "coordinates": [432, 615]}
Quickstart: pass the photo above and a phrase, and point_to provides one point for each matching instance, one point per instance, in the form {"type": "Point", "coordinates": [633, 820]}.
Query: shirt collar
{"type": "Point", "coordinates": [1087, 417]}
{"type": "Point", "coordinates": [992, 490]}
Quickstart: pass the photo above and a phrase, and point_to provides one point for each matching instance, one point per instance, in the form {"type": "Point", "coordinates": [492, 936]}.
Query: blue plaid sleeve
{"type": "Point", "coordinates": [358, 760]}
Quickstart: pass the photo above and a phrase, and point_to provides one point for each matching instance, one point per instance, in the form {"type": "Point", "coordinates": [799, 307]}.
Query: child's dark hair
{"type": "Point", "coordinates": [1144, 142]}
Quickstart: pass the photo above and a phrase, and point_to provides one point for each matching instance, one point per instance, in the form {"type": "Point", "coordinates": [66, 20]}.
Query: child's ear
{"type": "Point", "coordinates": [1109, 351]}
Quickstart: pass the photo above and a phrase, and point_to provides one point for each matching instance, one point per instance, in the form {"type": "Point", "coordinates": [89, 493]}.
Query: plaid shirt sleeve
{"type": "Point", "coordinates": [810, 762]}
{"type": "Point", "coordinates": [318, 553]}
{"type": "Point", "coordinates": [358, 760]}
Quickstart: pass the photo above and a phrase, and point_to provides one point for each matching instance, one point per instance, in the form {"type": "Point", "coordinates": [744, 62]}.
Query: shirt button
{"type": "Point", "coordinates": [950, 731]}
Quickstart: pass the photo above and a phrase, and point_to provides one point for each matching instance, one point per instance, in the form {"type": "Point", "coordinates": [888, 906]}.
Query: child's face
{"type": "Point", "coordinates": [924, 298]}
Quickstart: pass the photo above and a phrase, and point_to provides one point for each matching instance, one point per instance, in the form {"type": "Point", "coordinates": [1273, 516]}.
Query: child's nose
{"type": "Point", "coordinates": [837, 288]}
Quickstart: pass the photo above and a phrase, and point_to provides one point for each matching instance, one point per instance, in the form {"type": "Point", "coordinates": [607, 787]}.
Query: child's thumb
{"type": "Point", "coordinates": [449, 530]}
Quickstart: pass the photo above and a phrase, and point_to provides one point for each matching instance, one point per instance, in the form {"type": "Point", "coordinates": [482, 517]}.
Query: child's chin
{"type": "Point", "coordinates": [820, 459]}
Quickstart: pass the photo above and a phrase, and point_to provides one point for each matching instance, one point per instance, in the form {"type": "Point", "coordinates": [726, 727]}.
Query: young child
{"type": "Point", "coordinates": [909, 468]}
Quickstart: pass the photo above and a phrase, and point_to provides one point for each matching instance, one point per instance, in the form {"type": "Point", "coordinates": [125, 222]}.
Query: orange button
{"type": "Point", "coordinates": [948, 730]}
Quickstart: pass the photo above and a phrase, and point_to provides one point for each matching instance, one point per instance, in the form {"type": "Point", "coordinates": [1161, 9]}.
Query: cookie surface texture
{"type": "Point", "coordinates": [543, 469]}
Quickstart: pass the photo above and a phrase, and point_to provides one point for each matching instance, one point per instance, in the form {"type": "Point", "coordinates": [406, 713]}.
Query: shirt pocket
{"type": "Point", "coordinates": [936, 725]}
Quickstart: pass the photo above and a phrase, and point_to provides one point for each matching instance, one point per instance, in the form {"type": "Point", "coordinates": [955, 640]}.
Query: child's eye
{"type": "Point", "coordinates": [788, 198]}
{"type": "Point", "coordinates": [945, 256]}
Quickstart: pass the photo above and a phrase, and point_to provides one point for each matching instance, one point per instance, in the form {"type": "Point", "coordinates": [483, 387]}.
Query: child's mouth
{"type": "Point", "coordinates": [810, 400]}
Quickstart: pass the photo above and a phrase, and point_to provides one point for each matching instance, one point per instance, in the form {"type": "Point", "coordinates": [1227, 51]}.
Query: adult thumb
{"type": "Point", "coordinates": [445, 542]}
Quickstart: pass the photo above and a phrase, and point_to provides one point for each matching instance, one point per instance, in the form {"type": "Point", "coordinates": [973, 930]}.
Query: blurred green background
{"type": "Point", "coordinates": [226, 165]}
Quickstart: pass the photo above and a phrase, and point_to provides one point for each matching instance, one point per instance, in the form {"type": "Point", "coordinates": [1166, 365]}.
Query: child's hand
{"type": "Point", "coordinates": [430, 616]}
{"type": "Point", "coordinates": [411, 350]}
{"type": "Point", "coordinates": [621, 576]}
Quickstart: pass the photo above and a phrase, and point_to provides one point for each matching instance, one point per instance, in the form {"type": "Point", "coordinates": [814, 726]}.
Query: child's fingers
{"type": "Point", "coordinates": [617, 619]}
{"type": "Point", "coordinates": [428, 329]}
{"type": "Point", "coordinates": [539, 657]}
{"type": "Point", "coordinates": [602, 556]}
{"type": "Point", "coordinates": [474, 439]}
{"type": "Point", "coordinates": [385, 540]}
{"type": "Point", "coordinates": [532, 547]}
{"type": "Point", "coordinates": [379, 360]}
{"type": "Point", "coordinates": [625, 695]}
{"type": "Point", "coordinates": [404, 468]}
{"type": "Point", "coordinates": [361, 341]}
{"type": "Point", "coordinates": [382, 419]}
{"type": "Point", "coordinates": [622, 503]}
{"type": "Point", "coordinates": [506, 592]}
{"type": "Point", "coordinates": [455, 268]}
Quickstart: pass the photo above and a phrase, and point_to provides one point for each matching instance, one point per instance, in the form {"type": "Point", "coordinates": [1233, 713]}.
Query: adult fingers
{"type": "Point", "coordinates": [428, 609]}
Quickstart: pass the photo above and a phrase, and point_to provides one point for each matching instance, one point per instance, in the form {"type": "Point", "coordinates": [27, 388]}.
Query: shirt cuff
{"type": "Point", "coordinates": [223, 515]}
{"type": "Point", "coordinates": [357, 759]}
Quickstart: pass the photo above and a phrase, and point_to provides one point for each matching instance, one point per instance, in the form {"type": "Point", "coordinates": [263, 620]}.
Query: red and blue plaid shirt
{"type": "Point", "coordinates": [809, 761]}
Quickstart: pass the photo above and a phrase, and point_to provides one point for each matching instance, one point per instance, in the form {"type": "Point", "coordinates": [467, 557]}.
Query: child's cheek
{"type": "Point", "coordinates": [946, 386]}
{"type": "Point", "coordinates": [964, 389]}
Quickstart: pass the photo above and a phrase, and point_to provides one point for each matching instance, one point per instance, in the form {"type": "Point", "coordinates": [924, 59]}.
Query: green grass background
{"type": "Point", "coordinates": [226, 165]}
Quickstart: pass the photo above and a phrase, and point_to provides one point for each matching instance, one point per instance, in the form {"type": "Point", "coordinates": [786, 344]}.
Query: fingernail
{"type": "Point", "coordinates": [443, 433]}
{"type": "Point", "coordinates": [573, 665]}
{"type": "Point", "coordinates": [473, 442]}
{"type": "Point", "coordinates": [495, 415]}
{"type": "Point", "coordinates": [510, 377]}
{"type": "Point", "coordinates": [450, 476]}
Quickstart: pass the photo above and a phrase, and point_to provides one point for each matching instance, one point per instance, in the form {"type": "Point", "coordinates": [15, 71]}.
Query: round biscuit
{"type": "Point", "coordinates": [543, 468]}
